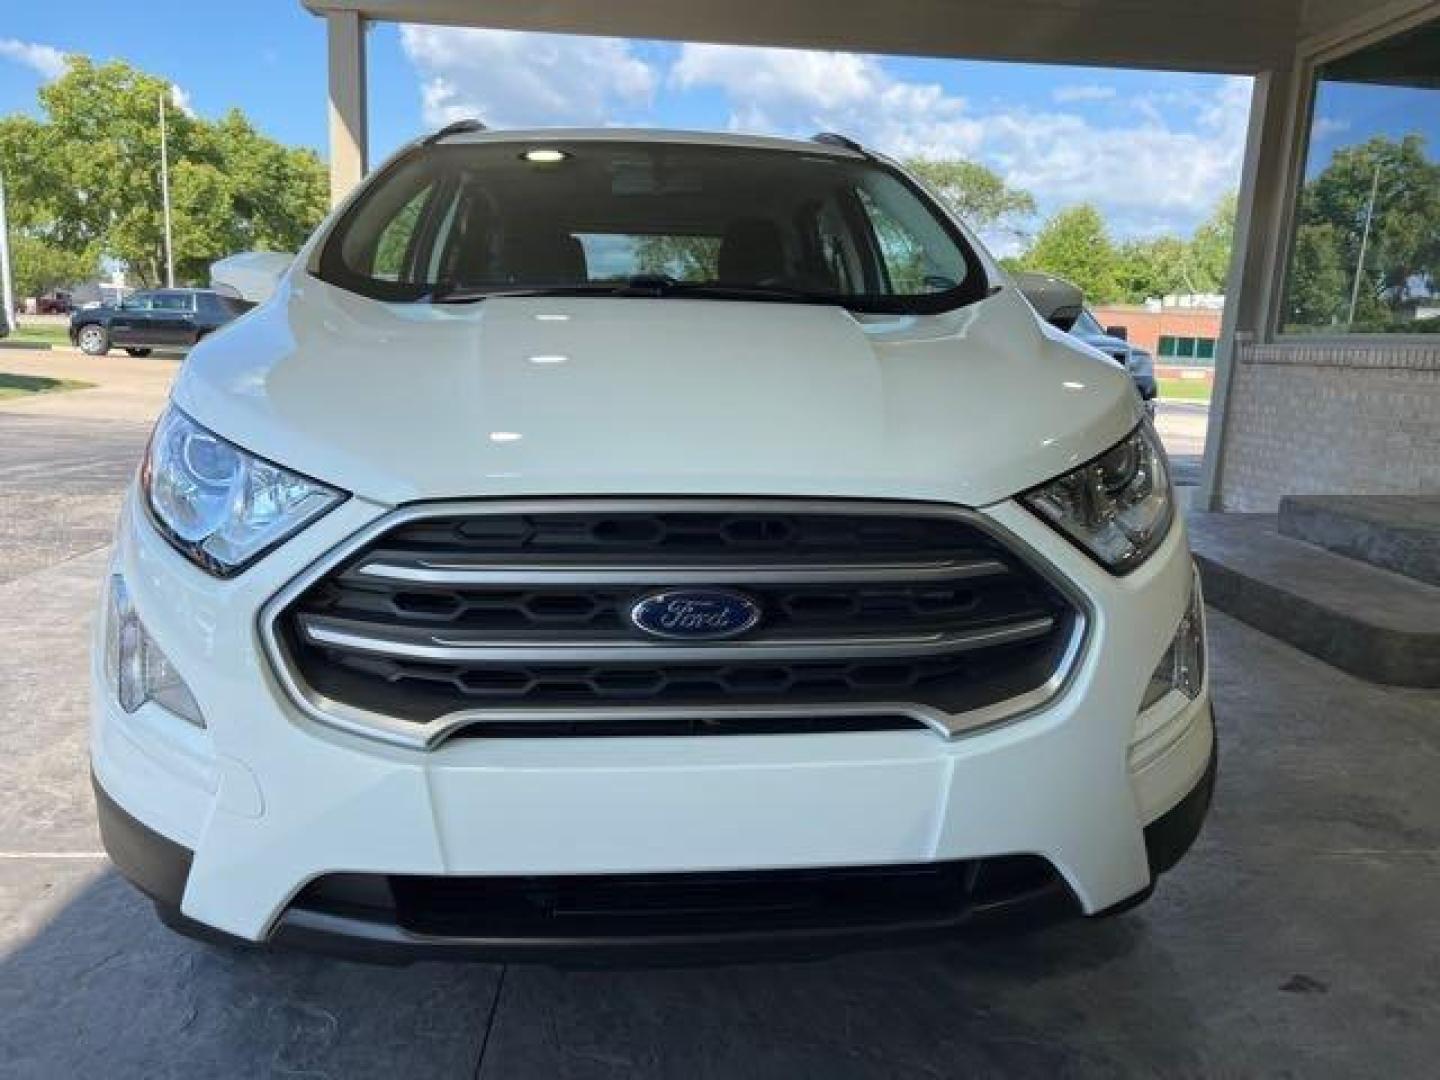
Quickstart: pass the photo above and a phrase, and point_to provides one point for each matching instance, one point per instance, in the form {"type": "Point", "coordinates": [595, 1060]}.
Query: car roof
{"type": "Point", "coordinates": [651, 135]}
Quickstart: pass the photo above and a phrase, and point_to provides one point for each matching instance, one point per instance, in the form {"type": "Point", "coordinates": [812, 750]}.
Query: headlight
{"type": "Point", "coordinates": [220, 506]}
{"type": "Point", "coordinates": [1117, 507]}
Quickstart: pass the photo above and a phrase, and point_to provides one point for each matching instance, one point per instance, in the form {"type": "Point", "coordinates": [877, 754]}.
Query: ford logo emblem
{"type": "Point", "coordinates": [695, 614]}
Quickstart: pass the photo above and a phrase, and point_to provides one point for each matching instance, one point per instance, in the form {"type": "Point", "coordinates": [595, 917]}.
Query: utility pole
{"type": "Point", "coordinates": [1364, 242]}
{"type": "Point", "coordinates": [7, 296]}
{"type": "Point", "coordinates": [165, 195]}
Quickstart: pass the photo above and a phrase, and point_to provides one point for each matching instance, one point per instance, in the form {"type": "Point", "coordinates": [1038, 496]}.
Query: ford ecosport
{"type": "Point", "coordinates": [612, 543]}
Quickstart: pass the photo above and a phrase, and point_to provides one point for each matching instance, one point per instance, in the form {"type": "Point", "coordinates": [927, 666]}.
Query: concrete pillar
{"type": "Point", "coordinates": [1257, 259]}
{"type": "Point", "coordinates": [349, 134]}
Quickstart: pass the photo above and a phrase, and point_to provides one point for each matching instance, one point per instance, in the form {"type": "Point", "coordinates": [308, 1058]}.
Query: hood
{"type": "Point", "coordinates": [626, 395]}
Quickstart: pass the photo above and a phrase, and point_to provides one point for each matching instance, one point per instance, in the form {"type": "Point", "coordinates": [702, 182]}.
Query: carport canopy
{"type": "Point", "coordinates": [1279, 42]}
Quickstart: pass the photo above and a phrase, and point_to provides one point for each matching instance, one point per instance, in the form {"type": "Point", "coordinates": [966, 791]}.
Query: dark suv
{"type": "Point", "coordinates": [160, 319]}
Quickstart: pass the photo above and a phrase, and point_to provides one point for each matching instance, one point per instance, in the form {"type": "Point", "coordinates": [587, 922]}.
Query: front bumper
{"type": "Point", "coordinates": [368, 932]}
{"type": "Point", "coordinates": [265, 801]}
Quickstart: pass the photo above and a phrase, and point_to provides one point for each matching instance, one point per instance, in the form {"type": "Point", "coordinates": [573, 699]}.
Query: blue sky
{"type": "Point", "coordinates": [1154, 151]}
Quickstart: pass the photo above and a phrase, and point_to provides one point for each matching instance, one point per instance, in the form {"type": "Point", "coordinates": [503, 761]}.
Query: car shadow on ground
{"type": "Point", "coordinates": [99, 987]}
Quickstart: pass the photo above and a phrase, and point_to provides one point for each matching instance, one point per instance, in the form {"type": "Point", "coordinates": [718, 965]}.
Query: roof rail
{"type": "Point", "coordinates": [830, 138]}
{"type": "Point", "coordinates": [459, 127]}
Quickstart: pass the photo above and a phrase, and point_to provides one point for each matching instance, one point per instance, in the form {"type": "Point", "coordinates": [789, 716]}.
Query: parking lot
{"type": "Point", "coordinates": [1297, 939]}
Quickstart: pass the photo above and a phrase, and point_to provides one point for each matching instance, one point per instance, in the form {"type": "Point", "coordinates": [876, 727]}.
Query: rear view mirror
{"type": "Point", "coordinates": [1121, 332]}
{"type": "Point", "coordinates": [251, 275]}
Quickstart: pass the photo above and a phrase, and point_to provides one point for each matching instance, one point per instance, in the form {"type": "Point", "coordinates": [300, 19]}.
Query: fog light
{"type": "Point", "coordinates": [1183, 665]}
{"type": "Point", "coordinates": [137, 669]}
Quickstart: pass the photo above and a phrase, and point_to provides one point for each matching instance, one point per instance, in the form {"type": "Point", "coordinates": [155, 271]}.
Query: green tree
{"type": "Point", "coordinates": [1210, 246]}
{"type": "Point", "coordinates": [1317, 293]}
{"type": "Point", "coordinates": [1074, 245]}
{"type": "Point", "coordinates": [86, 178]}
{"type": "Point", "coordinates": [978, 194]}
{"type": "Point", "coordinates": [41, 267]}
{"type": "Point", "coordinates": [1403, 243]}
{"type": "Point", "coordinates": [688, 258]}
{"type": "Point", "coordinates": [1155, 267]}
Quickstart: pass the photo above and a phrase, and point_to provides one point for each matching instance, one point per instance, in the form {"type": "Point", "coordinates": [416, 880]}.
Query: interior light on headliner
{"type": "Point", "coordinates": [551, 317]}
{"type": "Point", "coordinates": [545, 157]}
{"type": "Point", "coordinates": [548, 359]}
{"type": "Point", "coordinates": [1073, 385]}
{"type": "Point", "coordinates": [505, 436]}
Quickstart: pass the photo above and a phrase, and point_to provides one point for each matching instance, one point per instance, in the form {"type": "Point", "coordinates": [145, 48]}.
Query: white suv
{"type": "Point", "coordinates": [612, 542]}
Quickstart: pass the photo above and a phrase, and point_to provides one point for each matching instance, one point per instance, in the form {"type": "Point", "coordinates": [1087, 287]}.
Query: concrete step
{"type": "Point", "coordinates": [1380, 626]}
{"type": "Point", "coordinates": [1394, 532]}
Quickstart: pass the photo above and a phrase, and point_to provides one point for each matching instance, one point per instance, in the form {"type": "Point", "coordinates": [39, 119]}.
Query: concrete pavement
{"type": "Point", "coordinates": [1181, 426]}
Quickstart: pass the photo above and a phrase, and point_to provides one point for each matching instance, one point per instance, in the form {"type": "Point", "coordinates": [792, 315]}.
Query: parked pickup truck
{"type": "Point", "coordinates": [606, 544]}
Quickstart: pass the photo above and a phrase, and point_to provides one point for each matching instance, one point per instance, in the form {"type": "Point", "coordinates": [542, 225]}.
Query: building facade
{"type": "Point", "coordinates": [1179, 336]}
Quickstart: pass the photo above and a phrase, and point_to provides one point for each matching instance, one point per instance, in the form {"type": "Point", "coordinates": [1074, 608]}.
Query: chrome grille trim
{"type": "Point", "coordinates": [430, 572]}
{"type": "Point", "coordinates": [316, 630]}
{"type": "Point", "coordinates": [424, 736]}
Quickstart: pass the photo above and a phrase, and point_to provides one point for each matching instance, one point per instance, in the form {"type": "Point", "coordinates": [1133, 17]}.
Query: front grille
{"type": "Point", "coordinates": [509, 617]}
{"type": "Point", "coordinates": [680, 535]}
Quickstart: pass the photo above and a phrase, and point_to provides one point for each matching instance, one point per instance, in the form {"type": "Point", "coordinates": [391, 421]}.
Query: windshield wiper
{"type": "Point", "coordinates": [456, 294]}
{"type": "Point", "coordinates": [665, 285]}
{"type": "Point", "coordinates": [641, 285]}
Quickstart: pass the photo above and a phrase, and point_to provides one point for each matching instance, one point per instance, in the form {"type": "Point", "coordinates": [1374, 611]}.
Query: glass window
{"type": "Point", "coordinates": [1086, 325]}
{"type": "Point", "coordinates": [395, 245]}
{"type": "Point", "coordinates": [1365, 253]}
{"type": "Point", "coordinates": [620, 256]}
{"type": "Point", "coordinates": [1167, 345]}
{"type": "Point", "coordinates": [174, 302]}
{"type": "Point", "coordinates": [462, 221]}
{"type": "Point", "coordinates": [1185, 347]}
{"type": "Point", "coordinates": [916, 256]}
{"type": "Point", "coordinates": [138, 302]}
{"type": "Point", "coordinates": [1205, 348]}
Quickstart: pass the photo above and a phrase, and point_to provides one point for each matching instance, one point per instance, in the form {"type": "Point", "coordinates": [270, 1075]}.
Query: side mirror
{"type": "Point", "coordinates": [1054, 299]}
{"type": "Point", "coordinates": [1120, 332]}
{"type": "Point", "coordinates": [251, 275]}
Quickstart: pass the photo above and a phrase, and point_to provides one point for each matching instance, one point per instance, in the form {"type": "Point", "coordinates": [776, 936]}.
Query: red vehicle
{"type": "Point", "coordinates": [56, 303]}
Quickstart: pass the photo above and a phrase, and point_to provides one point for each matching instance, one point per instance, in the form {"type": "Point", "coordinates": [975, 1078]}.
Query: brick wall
{"type": "Point", "coordinates": [1145, 327]}
{"type": "Point", "coordinates": [1331, 419]}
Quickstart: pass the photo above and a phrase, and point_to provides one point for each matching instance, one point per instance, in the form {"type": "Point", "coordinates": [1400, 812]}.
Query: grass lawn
{"type": "Point", "coordinates": [13, 386]}
{"type": "Point", "coordinates": [39, 334]}
{"type": "Point", "coordinates": [1185, 390]}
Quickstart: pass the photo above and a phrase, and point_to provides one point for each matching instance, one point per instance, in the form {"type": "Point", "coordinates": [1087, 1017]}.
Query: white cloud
{"type": "Point", "coordinates": [1325, 126]}
{"type": "Point", "coordinates": [510, 78]}
{"type": "Point", "coordinates": [1066, 95]}
{"type": "Point", "coordinates": [799, 92]}
{"type": "Point", "coordinates": [49, 62]}
{"type": "Point", "coordinates": [1164, 171]}
{"type": "Point", "coordinates": [180, 98]}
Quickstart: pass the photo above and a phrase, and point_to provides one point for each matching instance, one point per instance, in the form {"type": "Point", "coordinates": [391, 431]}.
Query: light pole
{"type": "Point", "coordinates": [7, 296]}
{"type": "Point", "coordinates": [165, 196]}
{"type": "Point", "coordinates": [1364, 243]}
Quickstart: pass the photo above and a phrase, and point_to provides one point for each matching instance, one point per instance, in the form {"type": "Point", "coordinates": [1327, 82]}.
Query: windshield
{"type": "Point", "coordinates": [465, 221]}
